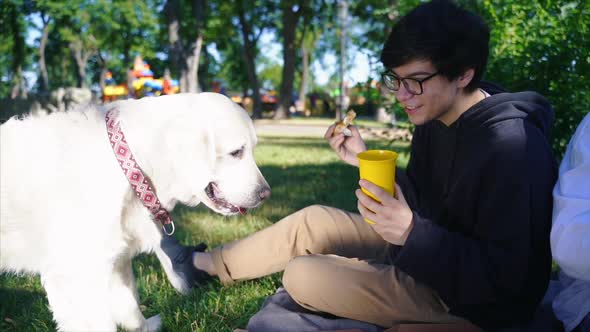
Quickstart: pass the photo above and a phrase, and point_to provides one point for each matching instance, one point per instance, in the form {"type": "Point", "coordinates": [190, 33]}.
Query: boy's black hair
{"type": "Point", "coordinates": [450, 37]}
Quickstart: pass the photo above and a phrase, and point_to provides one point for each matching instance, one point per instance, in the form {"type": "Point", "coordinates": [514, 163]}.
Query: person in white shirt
{"type": "Point", "coordinates": [570, 233]}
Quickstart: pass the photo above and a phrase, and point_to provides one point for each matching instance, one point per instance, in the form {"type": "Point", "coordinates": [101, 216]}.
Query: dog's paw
{"type": "Point", "coordinates": [154, 323]}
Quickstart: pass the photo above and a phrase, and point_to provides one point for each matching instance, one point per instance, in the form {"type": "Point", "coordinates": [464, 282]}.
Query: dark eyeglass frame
{"type": "Point", "coordinates": [388, 77]}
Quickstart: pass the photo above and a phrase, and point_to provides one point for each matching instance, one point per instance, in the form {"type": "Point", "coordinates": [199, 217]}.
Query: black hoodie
{"type": "Point", "coordinates": [481, 194]}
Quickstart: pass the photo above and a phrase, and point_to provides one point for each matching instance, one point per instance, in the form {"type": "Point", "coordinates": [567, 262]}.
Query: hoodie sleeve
{"type": "Point", "coordinates": [492, 260]}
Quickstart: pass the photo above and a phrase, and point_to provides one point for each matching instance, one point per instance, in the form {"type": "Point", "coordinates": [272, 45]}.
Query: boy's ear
{"type": "Point", "coordinates": [466, 77]}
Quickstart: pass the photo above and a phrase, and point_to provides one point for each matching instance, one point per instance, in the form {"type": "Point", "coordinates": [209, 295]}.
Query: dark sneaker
{"type": "Point", "coordinates": [182, 261]}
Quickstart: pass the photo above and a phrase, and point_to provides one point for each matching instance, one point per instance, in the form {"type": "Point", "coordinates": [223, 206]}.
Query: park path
{"type": "Point", "coordinates": [266, 127]}
{"type": "Point", "coordinates": [270, 127]}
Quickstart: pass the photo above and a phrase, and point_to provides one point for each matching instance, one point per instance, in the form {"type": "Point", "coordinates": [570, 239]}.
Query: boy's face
{"type": "Point", "coordinates": [439, 96]}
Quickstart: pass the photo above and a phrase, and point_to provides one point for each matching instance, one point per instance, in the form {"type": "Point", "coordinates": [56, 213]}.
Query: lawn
{"type": "Point", "coordinates": [301, 172]}
{"type": "Point", "coordinates": [325, 122]}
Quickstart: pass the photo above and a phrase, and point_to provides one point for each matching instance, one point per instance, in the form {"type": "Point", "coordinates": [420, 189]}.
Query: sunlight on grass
{"type": "Point", "coordinates": [324, 122]}
{"type": "Point", "coordinates": [301, 172]}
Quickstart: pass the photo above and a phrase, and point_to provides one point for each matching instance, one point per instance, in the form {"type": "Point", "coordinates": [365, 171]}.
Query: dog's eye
{"type": "Point", "coordinates": [237, 153]}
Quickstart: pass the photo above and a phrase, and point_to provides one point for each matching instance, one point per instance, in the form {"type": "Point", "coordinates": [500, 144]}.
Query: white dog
{"type": "Point", "coordinates": [68, 212]}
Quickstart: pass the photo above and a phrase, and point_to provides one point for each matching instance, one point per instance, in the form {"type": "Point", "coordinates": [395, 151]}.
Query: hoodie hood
{"type": "Point", "coordinates": [502, 106]}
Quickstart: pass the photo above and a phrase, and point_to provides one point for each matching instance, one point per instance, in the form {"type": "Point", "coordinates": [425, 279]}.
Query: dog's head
{"type": "Point", "coordinates": [217, 164]}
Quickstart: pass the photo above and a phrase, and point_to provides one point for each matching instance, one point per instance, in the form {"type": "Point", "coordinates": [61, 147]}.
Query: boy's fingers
{"type": "Point", "coordinates": [374, 189]}
{"type": "Point", "coordinates": [329, 132]}
{"type": "Point", "coordinates": [336, 141]}
{"type": "Point", "coordinates": [367, 201]}
{"type": "Point", "coordinates": [366, 212]}
{"type": "Point", "coordinates": [355, 131]}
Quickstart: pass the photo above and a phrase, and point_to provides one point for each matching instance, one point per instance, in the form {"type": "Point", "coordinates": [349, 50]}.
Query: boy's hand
{"type": "Point", "coordinates": [346, 147]}
{"type": "Point", "coordinates": [393, 217]}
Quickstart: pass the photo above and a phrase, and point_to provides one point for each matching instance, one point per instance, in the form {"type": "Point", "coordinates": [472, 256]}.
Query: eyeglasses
{"type": "Point", "coordinates": [413, 85]}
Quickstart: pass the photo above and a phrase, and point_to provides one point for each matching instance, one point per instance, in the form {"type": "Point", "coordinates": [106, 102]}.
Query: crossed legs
{"type": "Point", "coordinates": [333, 262]}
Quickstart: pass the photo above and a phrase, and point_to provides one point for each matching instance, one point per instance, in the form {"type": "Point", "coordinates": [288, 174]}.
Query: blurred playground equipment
{"type": "Point", "coordinates": [141, 82]}
{"type": "Point", "coordinates": [111, 91]}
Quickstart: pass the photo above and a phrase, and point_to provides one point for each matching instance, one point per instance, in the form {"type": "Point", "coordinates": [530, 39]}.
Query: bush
{"type": "Point", "coordinates": [543, 46]}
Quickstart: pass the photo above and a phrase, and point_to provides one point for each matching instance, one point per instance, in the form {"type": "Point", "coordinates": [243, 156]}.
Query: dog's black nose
{"type": "Point", "coordinates": [264, 193]}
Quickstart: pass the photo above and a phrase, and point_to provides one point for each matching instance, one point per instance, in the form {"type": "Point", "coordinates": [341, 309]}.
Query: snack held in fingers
{"type": "Point", "coordinates": [342, 125]}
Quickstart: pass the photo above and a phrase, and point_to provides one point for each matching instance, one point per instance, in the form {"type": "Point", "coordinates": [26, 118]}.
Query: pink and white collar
{"type": "Point", "coordinates": [140, 183]}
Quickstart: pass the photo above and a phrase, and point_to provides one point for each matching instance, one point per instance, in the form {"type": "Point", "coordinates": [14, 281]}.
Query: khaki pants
{"type": "Point", "coordinates": [333, 262]}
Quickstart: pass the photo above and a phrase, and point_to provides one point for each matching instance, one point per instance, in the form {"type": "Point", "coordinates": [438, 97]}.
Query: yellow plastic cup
{"type": "Point", "coordinates": [378, 166]}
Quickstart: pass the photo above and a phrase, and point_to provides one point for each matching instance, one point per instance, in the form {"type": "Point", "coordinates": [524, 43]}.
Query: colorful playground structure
{"type": "Point", "coordinates": [142, 83]}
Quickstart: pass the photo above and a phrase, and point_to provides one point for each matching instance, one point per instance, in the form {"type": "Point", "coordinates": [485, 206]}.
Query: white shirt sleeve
{"type": "Point", "coordinates": [570, 233]}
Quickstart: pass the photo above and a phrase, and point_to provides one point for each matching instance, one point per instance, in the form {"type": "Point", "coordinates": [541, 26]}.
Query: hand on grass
{"type": "Point", "coordinates": [346, 147]}
{"type": "Point", "coordinates": [393, 217]}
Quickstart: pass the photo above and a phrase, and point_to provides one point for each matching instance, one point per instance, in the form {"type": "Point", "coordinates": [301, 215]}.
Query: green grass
{"type": "Point", "coordinates": [301, 172]}
{"type": "Point", "coordinates": [325, 122]}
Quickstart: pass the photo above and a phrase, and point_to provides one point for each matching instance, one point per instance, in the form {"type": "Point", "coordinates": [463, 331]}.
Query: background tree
{"type": "Point", "coordinates": [43, 8]}
{"type": "Point", "coordinates": [77, 28]}
{"type": "Point", "coordinates": [14, 27]}
{"type": "Point", "coordinates": [314, 19]}
{"type": "Point", "coordinates": [253, 21]}
{"type": "Point", "coordinates": [250, 40]}
{"type": "Point", "coordinates": [270, 72]}
{"type": "Point", "coordinates": [185, 36]}
{"type": "Point", "coordinates": [61, 68]}
{"type": "Point", "coordinates": [291, 12]}
{"type": "Point", "coordinates": [309, 39]}
{"type": "Point", "coordinates": [127, 29]}
{"type": "Point", "coordinates": [230, 67]}
{"type": "Point", "coordinates": [225, 62]}
{"type": "Point", "coordinates": [6, 49]}
{"type": "Point", "coordinates": [543, 46]}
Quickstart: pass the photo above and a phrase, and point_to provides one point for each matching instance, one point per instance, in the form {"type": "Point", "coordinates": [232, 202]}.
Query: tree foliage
{"type": "Point", "coordinates": [14, 53]}
{"type": "Point", "coordinates": [540, 45]}
{"type": "Point", "coordinates": [543, 45]}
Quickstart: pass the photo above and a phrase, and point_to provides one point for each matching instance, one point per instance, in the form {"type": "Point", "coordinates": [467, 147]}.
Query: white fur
{"type": "Point", "coordinates": [68, 213]}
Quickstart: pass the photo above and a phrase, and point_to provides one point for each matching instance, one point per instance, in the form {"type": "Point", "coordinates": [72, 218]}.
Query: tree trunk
{"type": "Point", "coordinates": [205, 82]}
{"type": "Point", "coordinates": [192, 65]}
{"type": "Point", "coordinates": [103, 63]}
{"type": "Point", "coordinates": [304, 77]}
{"type": "Point", "coordinates": [253, 78]}
{"type": "Point", "coordinates": [44, 83]}
{"type": "Point", "coordinates": [127, 54]}
{"type": "Point", "coordinates": [19, 87]}
{"type": "Point", "coordinates": [101, 79]}
{"type": "Point", "coordinates": [193, 54]}
{"type": "Point", "coordinates": [185, 62]}
{"type": "Point", "coordinates": [175, 52]}
{"type": "Point", "coordinates": [18, 51]}
{"type": "Point", "coordinates": [290, 19]}
{"type": "Point", "coordinates": [81, 56]}
{"type": "Point", "coordinates": [249, 58]}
